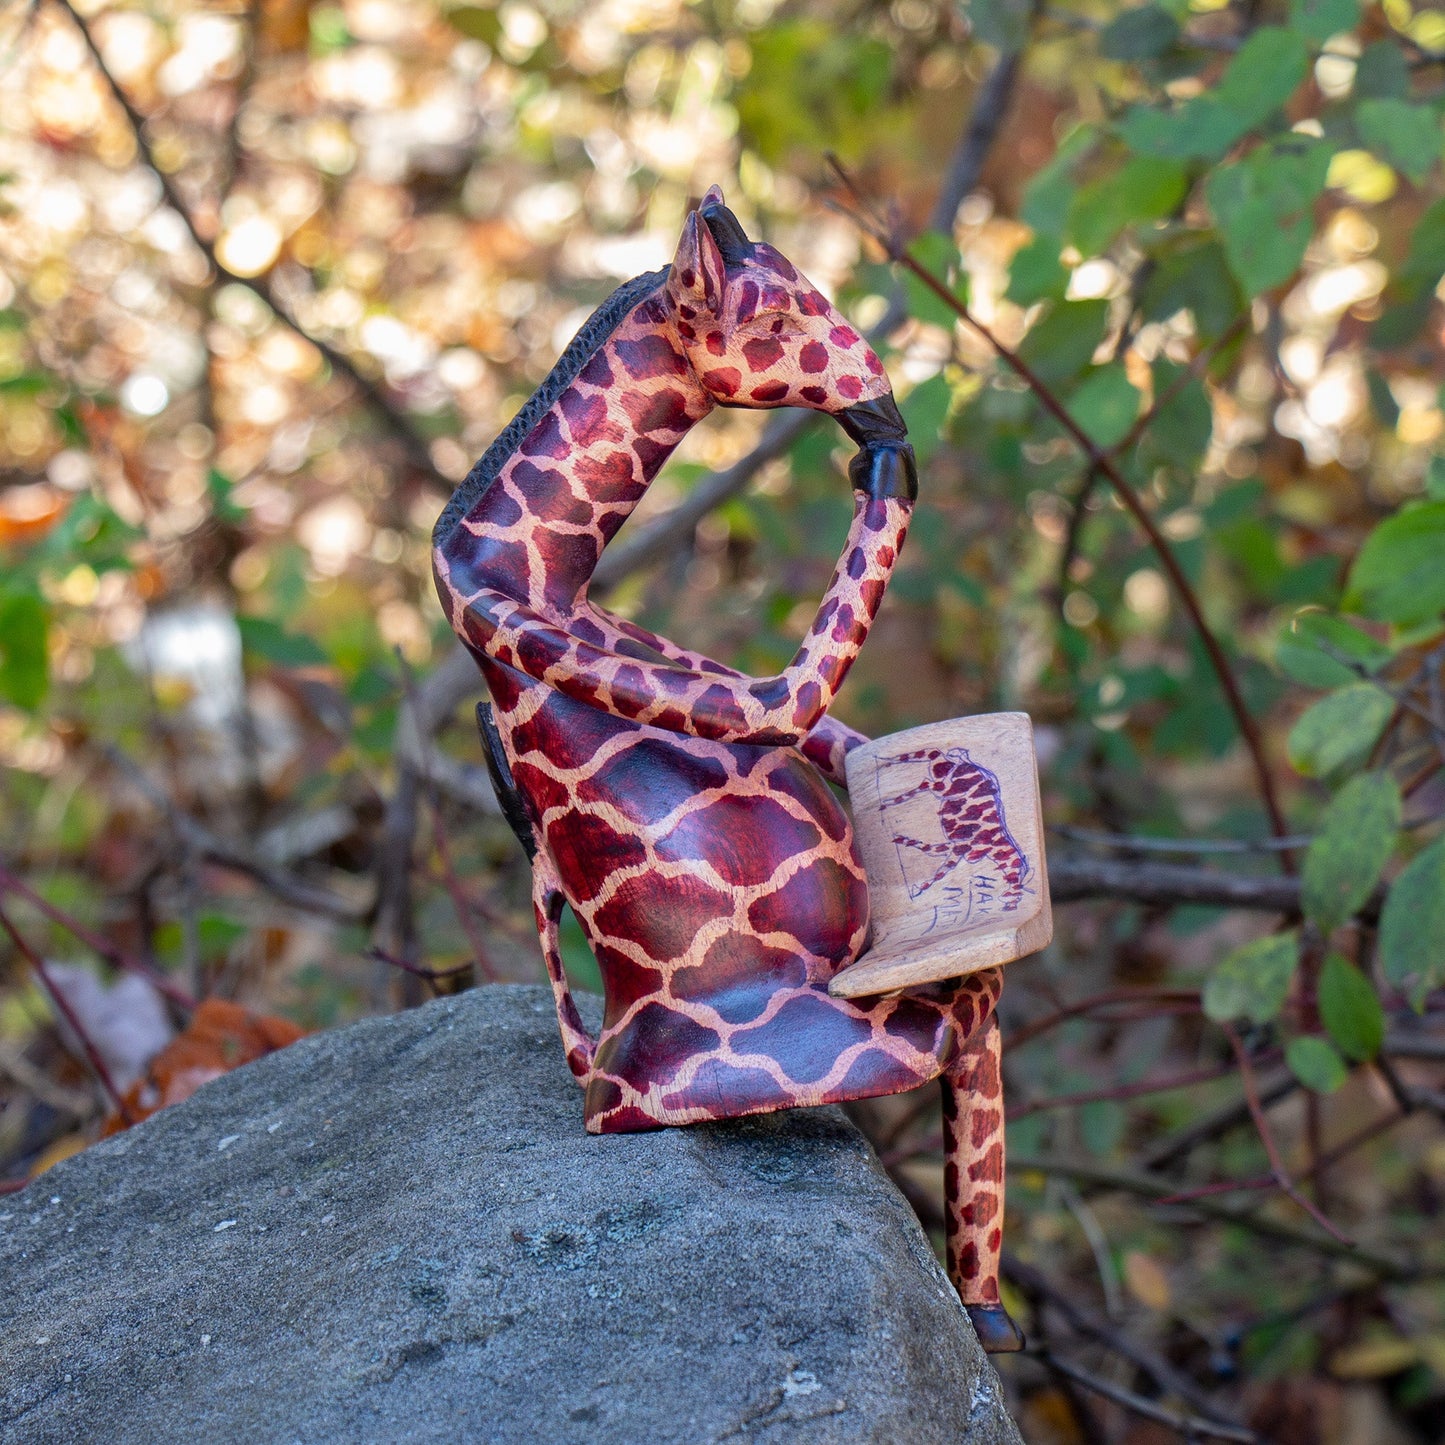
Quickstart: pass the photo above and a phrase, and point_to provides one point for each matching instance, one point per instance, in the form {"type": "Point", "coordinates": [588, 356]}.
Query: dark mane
{"type": "Point", "coordinates": [594, 333]}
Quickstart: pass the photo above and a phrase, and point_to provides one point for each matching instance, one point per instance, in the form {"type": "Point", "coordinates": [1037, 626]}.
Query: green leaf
{"type": "Point", "coordinates": [1319, 19]}
{"type": "Point", "coordinates": [1350, 1009]}
{"type": "Point", "coordinates": [1060, 346]}
{"type": "Point", "coordinates": [1399, 575]}
{"type": "Point", "coordinates": [1382, 399]}
{"type": "Point", "coordinates": [1252, 981]}
{"type": "Point", "coordinates": [24, 649]}
{"type": "Point", "coordinates": [1314, 1062]}
{"type": "Point", "coordinates": [1179, 432]}
{"type": "Point", "coordinates": [1146, 188]}
{"type": "Point", "coordinates": [1318, 650]}
{"type": "Point", "coordinates": [1049, 194]}
{"type": "Point", "coordinates": [476, 22]}
{"type": "Point", "coordinates": [1381, 71]}
{"type": "Point", "coordinates": [1261, 77]}
{"type": "Point", "coordinates": [1036, 273]}
{"type": "Point", "coordinates": [938, 255]}
{"type": "Point", "coordinates": [223, 507]}
{"type": "Point", "coordinates": [1412, 925]}
{"type": "Point", "coordinates": [1355, 839]}
{"type": "Point", "coordinates": [1339, 729]}
{"type": "Point", "coordinates": [1264, 207]}
{"type": "Point", "coordinates": [1192, 274]}
{"type": "Point", "coordinates": [1106, 405]}
{"type": "Point", "coordinates": [1004, 24]}
{"type": "Point", "coordinates": [1435, 479]}
{"type": "Point", "coordinates": [1139, 34]}
{"type": "Point", "coordinates": [270, 640]}
{"type": "Point", "coordinates": [1408, 136]}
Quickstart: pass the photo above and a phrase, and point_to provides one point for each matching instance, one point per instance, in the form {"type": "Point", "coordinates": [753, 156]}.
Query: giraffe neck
{"type": "Point", "coordinates": [553, 490]}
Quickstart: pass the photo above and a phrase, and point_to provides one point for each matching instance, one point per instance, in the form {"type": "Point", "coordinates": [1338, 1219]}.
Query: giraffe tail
{"type": "Point", "coordinates": [973, 1131]}
{"type": "Point", "coordinates": [547, 904]}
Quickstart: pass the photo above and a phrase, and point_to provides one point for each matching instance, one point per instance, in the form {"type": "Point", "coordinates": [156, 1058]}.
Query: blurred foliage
{"type": "Point", "coordinates": [1228, 218]}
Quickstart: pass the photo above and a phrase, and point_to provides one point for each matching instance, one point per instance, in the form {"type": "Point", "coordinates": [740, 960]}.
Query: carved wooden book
{"type": "Point", "coordinates": [949, 825]}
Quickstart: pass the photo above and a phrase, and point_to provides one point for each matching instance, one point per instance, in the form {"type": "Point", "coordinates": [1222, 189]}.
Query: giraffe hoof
{"type": "Point", "coordinates": [997, 1333]}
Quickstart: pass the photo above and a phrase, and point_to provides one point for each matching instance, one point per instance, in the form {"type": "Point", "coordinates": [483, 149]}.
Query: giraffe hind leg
{"type": "Point", "coordinates": [973, 1131]}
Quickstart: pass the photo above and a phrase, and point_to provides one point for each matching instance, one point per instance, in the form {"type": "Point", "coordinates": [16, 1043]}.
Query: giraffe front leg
{"type": "Point", "coordinates": [826, 747]}
{"type": "Point", "coordinates": [973, 1135]}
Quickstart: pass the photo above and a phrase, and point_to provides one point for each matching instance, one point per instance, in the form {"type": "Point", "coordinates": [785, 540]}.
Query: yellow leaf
{"type": "Point", "coordinates": [1371, 1359]}
{"type": "Point", "coordinates": [1146, 1280]}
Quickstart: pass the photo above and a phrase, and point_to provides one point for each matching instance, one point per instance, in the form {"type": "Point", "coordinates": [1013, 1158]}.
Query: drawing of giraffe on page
{"type": "Point", "coordinates": [969, 832]}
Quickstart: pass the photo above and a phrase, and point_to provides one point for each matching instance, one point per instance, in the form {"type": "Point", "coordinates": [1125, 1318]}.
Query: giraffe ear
{"type": "Point", "coordinates": [699, 276]}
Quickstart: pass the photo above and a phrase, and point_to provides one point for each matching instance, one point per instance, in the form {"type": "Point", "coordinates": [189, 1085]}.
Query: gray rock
{"type": "Point", "coordinates": [399, 1231]}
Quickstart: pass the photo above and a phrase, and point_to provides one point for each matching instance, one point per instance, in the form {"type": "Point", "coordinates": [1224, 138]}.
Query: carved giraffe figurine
{"type": "Point", "coordinates": [678, 807]}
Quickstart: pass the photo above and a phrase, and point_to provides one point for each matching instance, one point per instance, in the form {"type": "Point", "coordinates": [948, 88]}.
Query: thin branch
{"type": "Point", "coordinates": [1072, 878]}
{"type": "Point", "coordinates": [208, 847]}
{"type": "Point", "coordinates": [965, 166]}
{"type": "Point", "coordinates": [1149, 1187]}
{"type": "Point", "coordinates": [1193, 847]}
{"type": "Point", "coordinates": [417, 970]}
{"type": "Point", "coordinates": [1217, 1122]}
{"type": "Point", "coordinates": [1105, 463]}
{"type": "Point", "coordinates": [1080, 1318]}
{"type": "Point", "coordinates": [460, 903]}
{"type": "Point", "coordinates": [1266, 1137]}
{"type": "Point", "coordinates": [1119, 1092]}
{"type": "Point", "coordinates": [115, 956]}
{"type": "Point", "coordinates": [396, 421]}
{"type": "Point", "coordinates": [36, 1081]}
{"type": "Point", "coordinates": [62, 1005]}
{"type": "Point", "coordinates": [1190, 1426]}
{"type": "Point", "coordinates": [1094, 1326]}
{"type": "Point", "coordinates": [1162, 1000]}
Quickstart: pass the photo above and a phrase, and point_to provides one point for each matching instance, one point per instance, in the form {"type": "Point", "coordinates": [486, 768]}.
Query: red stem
{"type": "Point", "coordinates": [116, 957]}
{"type": "Point", "coordinates": [1174, 1000]}
{"type": "Point", "coordinates": [1261, 1124]}
{"type": "Point", "coordinates": [62, 1004]}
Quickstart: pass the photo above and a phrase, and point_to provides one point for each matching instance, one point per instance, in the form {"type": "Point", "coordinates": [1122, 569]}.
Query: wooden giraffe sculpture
{"type": "Point", "coordinates": [677, 807]}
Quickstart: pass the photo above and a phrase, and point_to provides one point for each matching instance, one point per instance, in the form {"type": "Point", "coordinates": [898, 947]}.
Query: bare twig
{"type": "Point", "coordinates": [113, 955]}
{"type": "Point", "coordinates": [38, 1082]}
{"type": "Point", "coordinates": [224, 854]}
{"type": "Point", "coordinates": [1071, 878]}
{"type": "Point", "coordinates": [1082, 1319]}
{"type": "Point", "coordinates": [965, 166]}
{"type": "Point", "coordinates": [1266, 1137]}
{"type": "Point", "coordinates": [461, 905]}
{"type": "Point", "coordinates": [1094, 1326]}
{"type": "Point", "coordinates": [1155, 1190]}
{"type": "Point", "coordinates": [1157, 1000]}
{"type": "Point", "coordinates": [417, 970]}
{"type": "Point", "coordinates": [1217, 1122]}
{"type": "Point", "coordinates": [396, 421]}
{"type": "Point", "coordinates": [1190, 1426]}
{"type": "Point", "coordinates": [62, 1006]}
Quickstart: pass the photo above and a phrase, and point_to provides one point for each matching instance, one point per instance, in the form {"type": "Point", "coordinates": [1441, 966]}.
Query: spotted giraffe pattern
{"type": "Point", "coordinates": [972, 818]}
{"type": "Point", "coordinates": [672, 801]}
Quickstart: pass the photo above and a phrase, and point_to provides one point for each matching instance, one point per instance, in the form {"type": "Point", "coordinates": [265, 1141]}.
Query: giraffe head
{"type": "Point", "coordinates": [758, 333]}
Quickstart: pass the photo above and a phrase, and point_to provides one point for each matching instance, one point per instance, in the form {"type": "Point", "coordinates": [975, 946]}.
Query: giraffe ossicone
{"type": "Point", "coordinates": [679, 808]}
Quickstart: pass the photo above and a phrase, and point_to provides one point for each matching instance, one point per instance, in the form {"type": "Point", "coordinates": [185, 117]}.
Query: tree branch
{"type": "Point", "coordinates": [1190, 1426]}
{"type": "Point", "coordinates": [1147, 1186]}
{"type": "Point", "coordinates": [395, 420]}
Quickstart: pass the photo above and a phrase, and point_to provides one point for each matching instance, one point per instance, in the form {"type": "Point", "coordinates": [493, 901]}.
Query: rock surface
{"type": "Point", "coordinates": [399, 1231]}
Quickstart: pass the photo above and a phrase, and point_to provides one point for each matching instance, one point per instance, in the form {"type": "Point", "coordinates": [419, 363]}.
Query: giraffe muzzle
{"type": "Point", "coordinates": [885, 465]}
